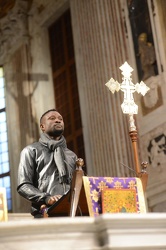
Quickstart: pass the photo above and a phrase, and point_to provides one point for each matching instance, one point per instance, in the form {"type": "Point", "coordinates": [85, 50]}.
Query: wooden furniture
{"type": "Point", "coordinates": [76, 202]}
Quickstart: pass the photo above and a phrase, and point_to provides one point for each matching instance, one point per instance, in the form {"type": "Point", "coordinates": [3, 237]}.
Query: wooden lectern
{"type": "Point", "coordinates": [73, 203]}
{"type": "Point", "coordinates": [76, 202]}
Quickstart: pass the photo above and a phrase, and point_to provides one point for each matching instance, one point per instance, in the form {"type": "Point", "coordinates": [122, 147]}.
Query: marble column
{"type": "Point", "coordinates": [100, 49]}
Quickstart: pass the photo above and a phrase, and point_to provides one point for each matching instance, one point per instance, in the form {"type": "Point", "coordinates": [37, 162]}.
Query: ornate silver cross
{"type": "Point", "coordinates": [128, 106]}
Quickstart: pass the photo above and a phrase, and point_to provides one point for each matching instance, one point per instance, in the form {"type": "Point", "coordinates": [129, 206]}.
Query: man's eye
{"type": "Point", "coordinates": [60, 118]}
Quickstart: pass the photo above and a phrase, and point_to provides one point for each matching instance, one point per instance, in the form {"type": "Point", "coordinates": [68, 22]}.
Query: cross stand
{"type": "Point", "coordinates": [133, 136]}
{"type": "Point", "coordinates": [129, 107]}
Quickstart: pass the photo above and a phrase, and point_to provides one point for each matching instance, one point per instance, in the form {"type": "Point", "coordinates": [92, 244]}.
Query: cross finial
{"type": "Point", "coordinates": [128, 106]}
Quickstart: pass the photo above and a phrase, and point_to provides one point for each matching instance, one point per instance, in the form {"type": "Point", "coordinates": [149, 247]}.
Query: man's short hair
{"type": "Point", "coordinates": [46, 113]}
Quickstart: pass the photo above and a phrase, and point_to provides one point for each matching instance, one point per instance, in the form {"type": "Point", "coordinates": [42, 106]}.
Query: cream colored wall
{"type": "Point", "coordinates": [101, 47]}
{"type": "Point", "coordinates": [153, 124]}
{"type": "Point", "coordinates": [100, 50]}
{"type": "Point", "coordinates": [23, 114]}
{"type": "Point", "coordinates": [29, 93]}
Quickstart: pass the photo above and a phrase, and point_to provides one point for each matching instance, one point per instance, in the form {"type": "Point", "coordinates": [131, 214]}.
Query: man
{"type": "Point", "coordinates": [46, 167]}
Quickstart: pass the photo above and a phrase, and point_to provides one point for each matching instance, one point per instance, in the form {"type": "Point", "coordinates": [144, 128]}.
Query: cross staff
{"type": "Point", "coordinates": [128, 106]}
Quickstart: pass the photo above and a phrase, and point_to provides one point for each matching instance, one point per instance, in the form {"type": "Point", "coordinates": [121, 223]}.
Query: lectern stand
{"type": "Point", "coordinates": [74, 202]}
{"type": "Point", "coordinates": [84, 197]}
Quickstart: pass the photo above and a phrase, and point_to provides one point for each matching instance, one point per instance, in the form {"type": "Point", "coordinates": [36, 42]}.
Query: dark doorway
{"type": "Point", "coordinates": [65, 81]}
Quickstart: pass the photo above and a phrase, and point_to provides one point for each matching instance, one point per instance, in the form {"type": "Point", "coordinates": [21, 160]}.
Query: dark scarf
{"type": "Point", "coordinates": [58, 148]}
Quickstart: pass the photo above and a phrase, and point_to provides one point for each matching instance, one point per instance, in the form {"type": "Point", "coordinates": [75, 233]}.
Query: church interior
{"type": "Point", "coordinates": [70, 55]}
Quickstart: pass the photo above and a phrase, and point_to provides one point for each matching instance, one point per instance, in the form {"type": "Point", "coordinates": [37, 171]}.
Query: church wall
{"type": "Point", "coordinates": [29, 93]}
{"type": "Point", "coordinates": [101, 47]}
{"type": "Point", "coordinates": [95, 46]}
{"type": "Point", "coordinates": [22, 126]}
{"type": "Point", "coordinates": [151, 117]}
{"type": "Point", "coordinates": [107, 142]}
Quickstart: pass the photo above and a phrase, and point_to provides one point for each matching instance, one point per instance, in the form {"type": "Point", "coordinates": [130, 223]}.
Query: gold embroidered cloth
{"type": "Point", "coordinates": [114, 195]}
{"type": "Point", "coordinates": [119, 201]}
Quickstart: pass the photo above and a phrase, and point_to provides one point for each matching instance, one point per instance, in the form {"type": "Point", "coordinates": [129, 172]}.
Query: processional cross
{"type": "Point", "coordinates": [128, 106]}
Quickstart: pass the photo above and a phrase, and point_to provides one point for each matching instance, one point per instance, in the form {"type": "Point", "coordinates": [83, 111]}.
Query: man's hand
{"type": "Point", "coordinates": [53, 199]}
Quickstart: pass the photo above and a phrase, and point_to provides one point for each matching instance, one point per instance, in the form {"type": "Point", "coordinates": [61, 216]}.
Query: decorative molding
{"type": "Point", "coordinates": [108, 231]}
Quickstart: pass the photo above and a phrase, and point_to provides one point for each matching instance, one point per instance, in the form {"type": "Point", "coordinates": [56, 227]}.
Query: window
{"type": "Point", "coordinates": [4, 156]}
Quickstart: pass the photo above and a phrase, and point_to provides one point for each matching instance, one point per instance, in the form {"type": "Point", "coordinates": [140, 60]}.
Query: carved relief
{"type": "Point", "coordinates": [13, 27]}
{"type": "Point", "coordinates": [154, 150]}
{"type": "Point", "coordinates": [157, 151]}
{"type": "Point", "coordinates": [153, 99]}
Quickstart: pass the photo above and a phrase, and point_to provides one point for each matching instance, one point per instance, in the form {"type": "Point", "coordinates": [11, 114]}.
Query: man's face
{"type": "Point", "coordinates": [52, 124]}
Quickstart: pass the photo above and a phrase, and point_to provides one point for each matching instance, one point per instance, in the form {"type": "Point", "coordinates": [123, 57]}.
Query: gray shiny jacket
{"type": "Point", "coordinates": [38, 176]}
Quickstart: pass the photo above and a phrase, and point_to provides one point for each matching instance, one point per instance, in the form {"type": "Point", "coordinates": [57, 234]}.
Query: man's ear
{"type": "Point", "coordinates": [42, 127]}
